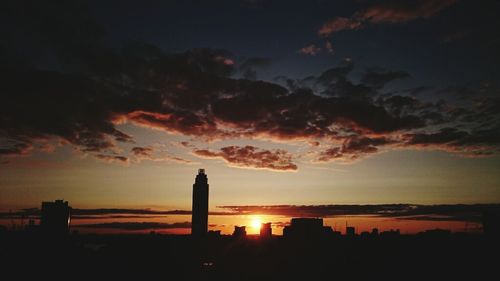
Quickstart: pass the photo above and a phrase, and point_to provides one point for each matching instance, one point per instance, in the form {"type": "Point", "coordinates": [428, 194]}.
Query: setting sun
{"type": "Point", "coordinates": [256, 223]}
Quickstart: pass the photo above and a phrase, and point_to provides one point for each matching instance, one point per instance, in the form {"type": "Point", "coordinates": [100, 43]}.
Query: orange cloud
{"type": "Point", "coordinates": [252, 157]}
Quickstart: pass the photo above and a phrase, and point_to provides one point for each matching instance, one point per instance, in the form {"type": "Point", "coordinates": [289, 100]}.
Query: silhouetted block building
{"type": "Point", "coordinates": [199, 220]}
{"type": "Point", "coordinates": [375, 232]}
{"type": "Point", "coordinates": [491, 223]}
{"type": "Point", "coordinates": [240, 232]}
{"type": "Point", "coordinates": [55, 217]}
{"type": "Point", "coordinates": [213, 233]}
{"type": "Point", "coordinates": [350, 231]}
{"type": "Point", "coordinates": [265, 230]}
{"type": "Point", "coordinates": [306, 228]}
{"type": "Point", "coordinates": [365, 234]}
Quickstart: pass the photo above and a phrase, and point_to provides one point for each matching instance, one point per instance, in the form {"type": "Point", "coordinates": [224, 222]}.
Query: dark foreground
{"type": "Point", "coordinates": [464, 256]}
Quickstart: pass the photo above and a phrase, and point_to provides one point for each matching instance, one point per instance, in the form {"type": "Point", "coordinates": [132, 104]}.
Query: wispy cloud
{"type": "Point", "coordinates": [136, 225]}
{"type": "Point", "coordinates": [387, 11]}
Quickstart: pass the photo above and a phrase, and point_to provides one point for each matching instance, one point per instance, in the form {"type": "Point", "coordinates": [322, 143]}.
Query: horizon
{"type": "Point", "coordinates": [292, 107]}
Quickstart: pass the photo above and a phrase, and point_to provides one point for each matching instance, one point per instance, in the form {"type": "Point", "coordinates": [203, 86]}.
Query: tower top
{"type": "Point", "coordinates": [201, 171]}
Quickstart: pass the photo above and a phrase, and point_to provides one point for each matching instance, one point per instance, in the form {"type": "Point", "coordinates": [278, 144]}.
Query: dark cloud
{"type": "Point", "coordinates": [335, 74]}
{"type": "Point", "coordinates": [135, 225]}
{"type": "Point", "coordinates": [250, 66]}
{"type": "Point", "coordinates": [353, 148]}
{"type": "Point", "coordinates": [104, 213]}
{"type": "Point", "coordinates": [400, 211]}
{"type": "Point", "coordinates": [15, 148]}
{"type": "Point", "coordinates": [252, 157]}
{"type": "Point", "coordinates": [481, 142]}
{"type": "Point", "coordinates": [386, 11]}
{"type": "Point", "coordinates": [112, 158]}
{"type": "Point", "coordinates": [142, 151]}
{"type": "Point", "coordinates": [377, 78]}
{"type": "Point", "coordinates": [443, 136]}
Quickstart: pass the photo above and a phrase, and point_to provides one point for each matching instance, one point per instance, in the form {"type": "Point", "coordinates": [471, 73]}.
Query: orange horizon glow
{"type": "Point", "coordinates": [226, 224]}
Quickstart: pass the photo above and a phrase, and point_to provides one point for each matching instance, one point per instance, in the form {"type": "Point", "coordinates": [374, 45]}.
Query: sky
{"type": "Point", "coordinates": [116, 104]}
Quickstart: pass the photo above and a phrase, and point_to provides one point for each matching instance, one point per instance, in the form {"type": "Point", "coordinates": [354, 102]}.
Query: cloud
{"type": "Point", "coordinates": [96, 88]}
{"type": "Point", "coordinates": [249, 67]}
{"type": "Point", "coordinates": [400, 211]}
{"type": "Point", "coordinates": [136, 225]}
{"type": "Point", "coordinates": [310, 50]}
{"type": "Point", "coordinates": [149, 153]}
{"type": "Point", "coordinates": [104, 213]}
{"type": "Point", "coordinates": [483, 142]}
{"type": "Point", "coordinates": [313, 49]}
{"type": "Point", "coordinates": [338, 24]}
{"type": "Point", "coordinates": [378, 78]}
{"type": "Point", "coordinates": [142, 151]}
{"type": "Point", "coordinates": [353, 148]}
{"type": "Point", "coordinates": [386, 11]}
{"type": "Point", "coordinates": [112, 158]}
{"type": "Point", "coordinates": [252, 157]}
{"type": "Point", "coordinates": [329, 47]}
{"type": "Point", "coordinates": [19, 148]}
{"type": "Point", "coordinates": [397, 11]}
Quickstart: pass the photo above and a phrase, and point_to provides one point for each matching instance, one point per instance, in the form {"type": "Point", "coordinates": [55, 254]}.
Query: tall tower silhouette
{"type": "Point", "coordinates": [199, 220]}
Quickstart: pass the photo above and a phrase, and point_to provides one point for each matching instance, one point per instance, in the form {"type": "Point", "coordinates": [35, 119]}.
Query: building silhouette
{"type": "Point", "coordinates": [239, 231]}
{"type": "Point", "coordinates": [350, 231]}
{"type": "Point", "coordinates": [265, 230]}
{"type": "Point", "coordinates": [199, 220]}
{"type": "Point", "coordinates": [305, 228]}
{"type": "Point", "coordinates": [55, 217]}
{"type": "Point", "coordinates": [390, 233]}
{"type": "Point", "coordinates": [491, 223]}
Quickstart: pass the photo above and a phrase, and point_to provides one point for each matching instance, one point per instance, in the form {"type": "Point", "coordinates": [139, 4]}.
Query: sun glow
{"type": "Point", "coordinates": [256, 223]}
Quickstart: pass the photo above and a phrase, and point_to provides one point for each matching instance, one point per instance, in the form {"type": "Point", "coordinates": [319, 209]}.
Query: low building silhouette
{"type": "Point", "coordinates": [365, 234]}
{"type": "Point", "coordinates": [213, 234]}
{"type": "Point", "coordinates": [239, 231]}
{"type": "Point", "coordinates": [491, 223]}
{"type": "Point", "coordinates": [55, 217]}
{"type": "Point", "coordinates": [306, 228]}
{"type": "Point", "coordinates": [265, 230]}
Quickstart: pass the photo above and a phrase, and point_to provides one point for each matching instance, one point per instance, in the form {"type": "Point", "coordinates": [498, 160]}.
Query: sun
{"type": "Point", "coordinates": [256, 223]}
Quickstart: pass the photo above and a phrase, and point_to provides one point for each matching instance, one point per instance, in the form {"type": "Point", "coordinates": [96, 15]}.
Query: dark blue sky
{"type": "Point", "coordinates": [456, 45]}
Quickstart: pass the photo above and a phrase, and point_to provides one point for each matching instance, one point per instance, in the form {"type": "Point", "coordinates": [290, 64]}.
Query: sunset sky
{"type": "Point", "coordinates": [117, 104]}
